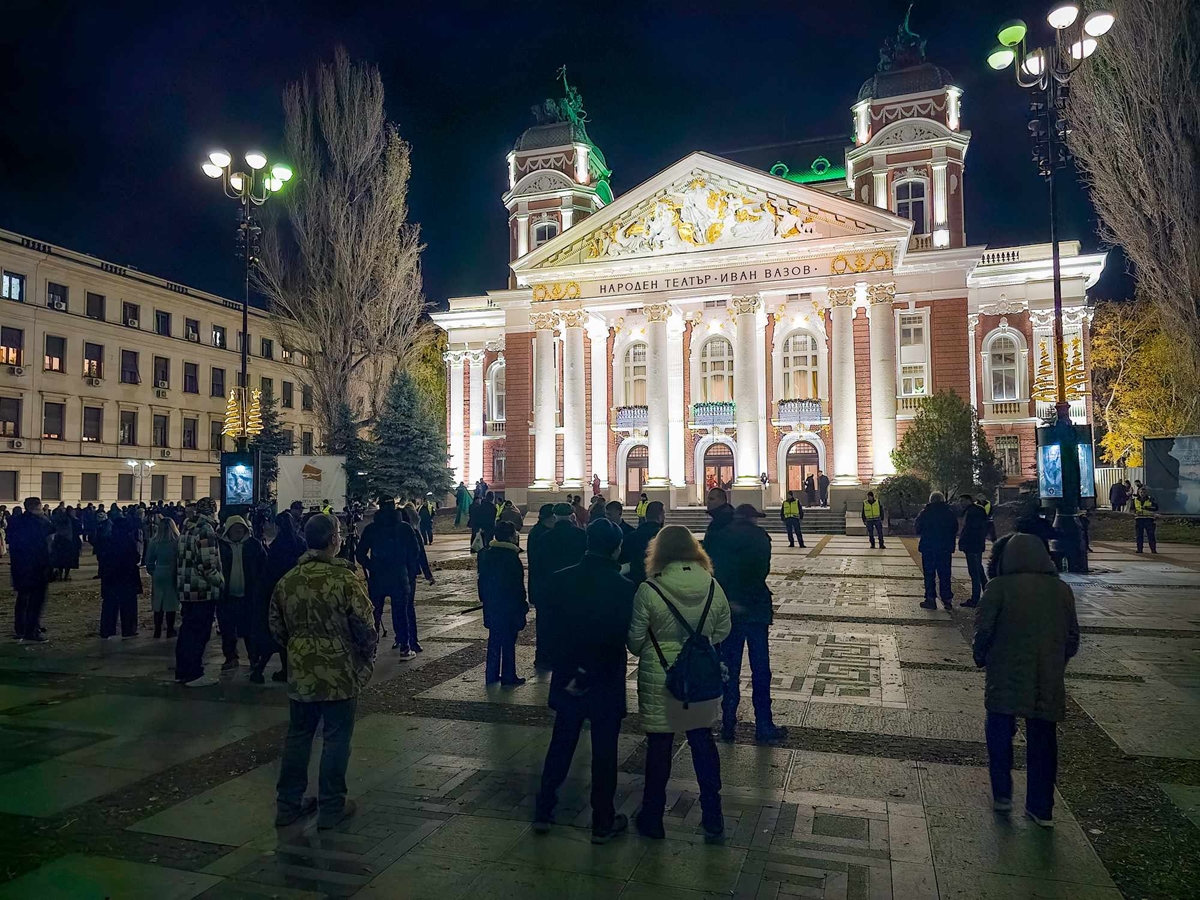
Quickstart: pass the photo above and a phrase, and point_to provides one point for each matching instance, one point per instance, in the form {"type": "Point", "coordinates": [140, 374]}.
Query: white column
{"type": "Point", "coordinates": [475, 413]}
{"type": "Point", "coordinates": [845, 397]}
{"type": "Point", "coordinates": [454, 359]}
{"type": "Point", "coordinates": [677, 411]}
{"type": "Point", "coordinates": [883, 377]}
{"type": "Point", "coordinates": [972, 326]}
{"type": "Point", "coordinates": [747, 376]}
{"type": "Point", "coordinates": [658, 417]}
{"type": "Point", "coordinates": [567, 211]}
{"type": "Point", "coordinates": [597, 330]}
{"type": "Point", "coordinates": [574, 400]}
{"type": "Point", "coordinates": [941, 224]}
{"type": "Point", "coordinates": [522, 234]}
{"type": "Point", "coordinates": [544, 399]}
{"type": "Point", "coordinates": [879, 189]}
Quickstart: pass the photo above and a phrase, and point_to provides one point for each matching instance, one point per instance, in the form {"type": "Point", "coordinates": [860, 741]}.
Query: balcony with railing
{"type": "Point", "coordinates": [920, 242]}
{"type": "Point", "coordinates": [1005, 409]}
{"type": "Point", "coordinates": [494, 428]}
{"type": "Point", "coordinates": [712, 414]}
{"type": "Point", "coordinates": [910, 404]}
{"type": "Point", "coordinates": [801, 412]}
{"type": "Point", "coordinates": [627, 418]}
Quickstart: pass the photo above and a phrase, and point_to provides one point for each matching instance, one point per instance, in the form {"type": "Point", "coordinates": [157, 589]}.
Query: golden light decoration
{"type": "Point", "coordinates": [233, 415]}
{"type": "Point", "coordinates": [254, 423]}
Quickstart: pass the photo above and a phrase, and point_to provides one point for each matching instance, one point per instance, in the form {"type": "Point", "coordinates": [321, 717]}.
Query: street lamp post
{"type": "Point", "coordinates": [250, 190]}
{"type": "Point", "coordinates": [140, 469]}
{"type": "Point", "coordinates": [1046, 71]}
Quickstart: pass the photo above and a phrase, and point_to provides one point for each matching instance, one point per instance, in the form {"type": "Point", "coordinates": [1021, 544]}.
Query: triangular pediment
{"type": "Point", "coordinates": [705, 203]}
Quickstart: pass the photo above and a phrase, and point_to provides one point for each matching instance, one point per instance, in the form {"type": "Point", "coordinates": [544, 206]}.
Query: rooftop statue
{"type": "Point", "coordinates": [906, 49]}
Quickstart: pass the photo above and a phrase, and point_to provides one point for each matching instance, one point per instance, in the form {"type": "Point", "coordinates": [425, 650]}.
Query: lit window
{"type": "Point", "coordinates": [14, 287]}
{"type": "Point", "coordinates": [12, 346]}
{"type": "Point", "coordinates": [912, 381]}
{"type": "Point", "coordinates": [635, 375]}
{"type": "Point", "coordinates": [496, 392]}
{"type": "Point", "coordinates": [912, 331]}
{"type": "Point", "coordinates": [800, 367]}
{"type": "Point", "coordinates": [1008, 453]}
{"type": "Point", "coordinates": [716, 370]}
{"type": "Point", "coordinates": [1002, 358]}
{"type": "Point", "coordinates": [218, 336]}
{"type": "Point", "coordinates": [914, 355]}
{"type": "Point", "coordinates": [910, 203]}
{"type": "Point", "coordinates": [56, 350]}
{"type": "Point", "coordinates": [544, 231]}
{"type": "Point", "coordinates": [499, 466]}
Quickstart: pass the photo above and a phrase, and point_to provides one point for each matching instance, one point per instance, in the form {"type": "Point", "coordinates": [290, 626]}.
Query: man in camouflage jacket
{"type": "Point", "coordinates": [199, 580]}
{"type": "Point", "coordinates": [321, 613]}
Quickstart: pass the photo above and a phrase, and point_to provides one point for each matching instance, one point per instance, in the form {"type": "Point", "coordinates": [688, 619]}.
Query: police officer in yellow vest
{"type": "Point", "coordinates": [986, 505]}
{"type": "Point", "coordinates": [872, 516]}
{"type": "Point", "coordinates": [642, 503]}
{"type": "Point", "coordinates": [1144, 508]}
{"type": "Point", "coordinates": [326, 508]}
{"type": "Point", "coordinates": [791, 512]}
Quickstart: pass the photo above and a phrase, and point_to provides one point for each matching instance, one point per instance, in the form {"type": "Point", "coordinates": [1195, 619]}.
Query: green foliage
{"type": "Point", "coordinates": [946, 445]}
{"type": "Point", "coordinates": [407, 455]}
{"type": "Point", "coordinates": [903, 495]}
{"type": "Point", "coordinates": [270, 443]}
{"type": "Point", "coordinates": [343, 440]}
{"type": "Point", "coordinates": [428, 369]}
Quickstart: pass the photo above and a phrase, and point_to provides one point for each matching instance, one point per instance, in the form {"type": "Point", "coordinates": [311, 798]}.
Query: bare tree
{"type": "Point", "coordinates": [1135, 119]}
{"type": "Point", "coordinates": [344, 280]}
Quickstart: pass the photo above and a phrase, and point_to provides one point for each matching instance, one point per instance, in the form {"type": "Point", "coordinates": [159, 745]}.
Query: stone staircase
{"type": "Point", "coordinates": [816, 519]}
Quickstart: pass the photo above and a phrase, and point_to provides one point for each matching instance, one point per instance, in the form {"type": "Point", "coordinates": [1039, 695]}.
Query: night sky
{"type": "Point", "coordinates": [108, 114]}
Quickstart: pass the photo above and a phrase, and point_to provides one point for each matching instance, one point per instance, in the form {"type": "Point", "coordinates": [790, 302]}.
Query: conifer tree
{"type": "Point", "coordinates": [270, 443]}
{"type": "Point", "coordinates": [344, 440]}
{"type": "Point", "coordinates": [407, 456]}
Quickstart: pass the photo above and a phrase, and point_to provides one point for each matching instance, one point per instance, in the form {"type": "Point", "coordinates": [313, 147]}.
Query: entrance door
{"type": "Point", "coordinates": [718, 467]}
{"type": "Point", "coordinates": [636, 464]}
{"type": "Point", "coordinates": [802, 461]}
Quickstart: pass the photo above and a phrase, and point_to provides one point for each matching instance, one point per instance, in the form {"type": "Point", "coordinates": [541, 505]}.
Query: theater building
{"type": "Point", "coordinates": [772, 312]}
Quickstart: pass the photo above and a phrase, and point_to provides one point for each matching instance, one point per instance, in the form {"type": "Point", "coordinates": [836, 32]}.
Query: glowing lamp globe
{"type": "Point", "coordinates": [1034, 63]}
{"type": "Point", "coordinates": [1011, 33]}
{"type": "Point", "coordinates": [212, 170]}
{"type": "Point", "coordinates": [280, 172]}
{"type": "Point", "coordinates": [1001, 58]}
{"type": "Point", "coordinates": [1063, 16]}
{"type": "Point", "coordinates": [1098, 23]}
{"type": "Point", "coordinates": [255, 160]}
{"type": "Point", "coordinates": [219, 158]}
{"type": "Point", "coordinates": [1083, 49]}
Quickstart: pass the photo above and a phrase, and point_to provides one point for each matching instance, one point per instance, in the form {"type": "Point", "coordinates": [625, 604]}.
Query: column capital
{"type": "Point", "coordinates": [843, 296]}
{"type": "Point", "coordinates": [573, 318]}
{"type": "Point", "coordinates": [455, 358]}
{"type": "Point", "coordinates": [544, 321]}
{"type": "Point", "coordinates": [597, 329]}
{"type": "Point", "coordinates": [883, 292]}
{"type": "Point", "coordinates": [474, 357]}
{"type": "Point", "coordinates": [747, 305]}
{"type": "Point", "coordinates": [656, 312]}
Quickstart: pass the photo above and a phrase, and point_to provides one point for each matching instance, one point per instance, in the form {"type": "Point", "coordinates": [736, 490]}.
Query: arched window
{"type": "Point", "coordinates": [495, 392]}
{"type": "Point", "coordinates": [544, 231]}
{"type": "Point", "coordinates": [635, 375]}
{"type": "Point", "coordinates": [800, 367]}
{"type": "Point", "coordinates": [716, 370]}
{"type": "Point", "coordinates": [910, 203]}
{"type": "Point", "coordinates": [1002, 359]}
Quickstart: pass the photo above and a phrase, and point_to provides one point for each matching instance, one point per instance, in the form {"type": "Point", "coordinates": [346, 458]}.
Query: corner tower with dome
{"type": "Point", "coordinates": [775, 311]}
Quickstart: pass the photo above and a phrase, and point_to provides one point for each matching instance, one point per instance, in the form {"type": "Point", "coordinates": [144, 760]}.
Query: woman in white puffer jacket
{"type": "Point", "coordinates": [678, 566]}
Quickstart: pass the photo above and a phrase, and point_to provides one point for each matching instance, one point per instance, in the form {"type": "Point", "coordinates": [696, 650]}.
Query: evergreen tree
{"type": "Point", "coordinates": [344, 440]}
{"type": "Point", "coordinates": [408, 451]}
{"type": "Point", "coordinates": [946, 446]}
{"type": "Point", "coordinates": [270, 443]}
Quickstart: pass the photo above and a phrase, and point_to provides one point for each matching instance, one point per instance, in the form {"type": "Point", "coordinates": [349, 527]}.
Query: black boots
{"type": "Point", "coordinates": [158, 622]}
{"type": "Point", "coordinates": [170, 624]}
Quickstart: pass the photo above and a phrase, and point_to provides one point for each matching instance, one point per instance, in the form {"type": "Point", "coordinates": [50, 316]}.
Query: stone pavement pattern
{"type": "Point", "coordinates": [115, 783]}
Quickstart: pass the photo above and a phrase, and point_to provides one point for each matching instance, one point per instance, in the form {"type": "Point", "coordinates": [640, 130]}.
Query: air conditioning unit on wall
{"type": "Point", "coordinates": [16, 445]}
{"type": "Point", "coordinates": [59, 305]}
{"type": "Point", "coordinates": [93, 382]}
{"type": "Point", "coordinates": [160, 393]}
{"type": "Point", "coordinates": [165, 454]}
{"type": "Point", "coordinates": [132, 323]}
{"type": "Point", "coordinates": [19, 371]}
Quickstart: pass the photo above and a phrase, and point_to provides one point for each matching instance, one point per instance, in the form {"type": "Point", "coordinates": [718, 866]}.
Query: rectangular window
{"type": "Point", "coordinates": [8, 484]}
{"type": "Point", "coordinates": [162, 323]}
{"type": "Point", "coordinates": [56, 296]}
{"type": "Point", "coordinates": [214, 486]}
{"type": "Point", "coordinates": [14, 287]}
{"type": "Point", "coordinates": [161, 430]}
{"type": "Point", "coordinates": [10, 417]}
{"type": "Point", "coordinates": [914, 355]}
{"type": "Point", "coordinates": [912, 381]}
{"type": "Point", "coordinates": [289, 438]}
{"type": "Point", "coordinates": [54, 416]}
{"type": "Point", "coordinates": [912, 331]}
{"type": "Point", "coordinates": [89, 487]}
{"type": "Point", "coordinates": [129, 367]}
{"type": "Point", "coordinates": [499, 464]}
{"type": "Point", "coordinates": [93, 424]}
{"type": "Point", "coordinates": [12, 346]}
{"type": "Point", "coordinates": [306, 397]}
{"type": "Point", "coordinates": [131, 315]}
{"type": "Point", "coordinates": [218, 383]}
{"type": "Point", "coordinates": [218, 336]}
{"type": "Point", "coordinates": [191, 329]}
{"type": "Point", "coordinates": [216, 437]}
{"type": "Point", "coordinates": [267, 350]}
{"type": "Point", "coordinates": [56, 352]}
{"type": "Point", "coordinates": [128, 435]}
{"type": "Point", "coordinates": [188, 490]}
{"type": "Point", "coordinates": [190, 429]}
{"type": "Point", "coordinates": [52, 485]}
{"type": "Point", "coordinates": [191, 378]}
{"type": "Point", "coordinates": [267, 385]}
{"type": "Point", "coordinates": [1008, 453]}
{"type": "Point", "coordinates": [162, 372]}
{"type": "Point", "coordinates": [158, 487]}
{"type": "Point", "coordinates": [306, 443]}
{"type": "Point", "coordinates": [289, 399]}
{"type": "Point", "coordinates": [95, 306]}
{"type": "Point", "coordinates": [93, 360]}
{"type": "Point", "coordinates": [125, 486]}
{"type": "Point", "coordinates": [249, 345]}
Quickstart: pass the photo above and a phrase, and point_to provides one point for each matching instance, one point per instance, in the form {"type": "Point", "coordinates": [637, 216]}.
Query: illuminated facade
{"type": "Point", "coordinates": [737, 316]}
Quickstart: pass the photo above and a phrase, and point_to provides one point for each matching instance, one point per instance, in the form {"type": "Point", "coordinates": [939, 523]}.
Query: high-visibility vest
{"type": "Point", "coordinates": [641, 508]}
{"type": "Point", "coordinates": [987, 507]}
{"type": "Point", "coordinates": [871, 510]}
{"type": "Point", "coordinates": [327, 509]}
{"type": "Point", "coordinates": [499, 509]}
{"type": "Point", "coordinates": [1144, 509]}
{"type": "Point", "coordinates": [791, 509]}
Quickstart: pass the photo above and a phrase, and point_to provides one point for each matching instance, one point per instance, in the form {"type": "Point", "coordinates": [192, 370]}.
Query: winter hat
{"type": "Point", "coordinates": [563, 510]}
{"type": "Point", "coordinates": [206, 506]}
{"type": "Point", "coordinates": [603, 537]}
{"type": "Point", "coordinates": [235, 520]}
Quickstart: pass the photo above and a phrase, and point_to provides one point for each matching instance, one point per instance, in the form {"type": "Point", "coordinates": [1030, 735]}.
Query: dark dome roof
{"type": "Point", "coordinates": [911, 80]}
{"type": "Point", "coordinates": [552, 134]}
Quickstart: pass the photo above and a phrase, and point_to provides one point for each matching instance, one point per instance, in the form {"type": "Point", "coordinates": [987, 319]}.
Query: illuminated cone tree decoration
{"type": "Point", "coordinates": [254, 423]}
{"type": "Point", "coordinates": [1044, 386]}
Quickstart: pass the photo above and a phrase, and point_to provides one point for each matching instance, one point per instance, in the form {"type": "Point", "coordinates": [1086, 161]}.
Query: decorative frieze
{"type": "Point", "coordinates": [558, 290]}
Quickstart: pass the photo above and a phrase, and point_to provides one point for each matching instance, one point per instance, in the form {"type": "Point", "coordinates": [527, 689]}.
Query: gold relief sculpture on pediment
{"type": "Point", "coordinates": [877, 261]}
{"type": "Point", "coordinates": [559, 290]}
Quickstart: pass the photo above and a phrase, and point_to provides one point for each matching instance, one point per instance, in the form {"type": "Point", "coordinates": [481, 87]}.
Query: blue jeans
{"type": "Point", "coordinates": [753, 637]}
{"type": "Point", "coordinates": [404, 626]}
{"type": "Point", "coordinates": [978, 575]}
{"type": "Point", "coordinates": [875, 527]}
{"type": "Point", "coordinates": [936, 569]}
{"type": "Point", "coordinates": [1041, 760]}
{"type": "Point", "coordinates": [501, 657]}
{"type": "Point", "coordinates": [338, 717]}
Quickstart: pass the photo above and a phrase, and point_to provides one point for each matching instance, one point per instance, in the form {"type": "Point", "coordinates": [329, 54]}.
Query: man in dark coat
{"type": "Point", "coordinates": [560, 547]}
{"type": "Point", "coordinates": [29, 550]}
{"type": "Point", "coordinates": [741, 558]}
{"type": "Point", "coordinates": [823, 487]}
{"type": "Point", "coordinates": [634, 550]}
{"type": "Point", "coordinates": [720, 513]}
{"type": "Point", "coordinates": [971, 541]}
{"type": "Point", "coordinates": [585, 616]}
{"type": "Point", "coordinates": [390, 553]}
{"type": "Point", "coordinates": [502, 593]}
{"type": "Point", "coordinates": [282, 555]}
{"type": "Point", "coordinates": [120, 578]}
{"type": "Point", "coordinates": [615, 513]}
{"type": "Point", "coordinates": [488, 517]}
{"type": "Point", "coordinates": [937, 526]}
{"type": "Point", "coordinates": [243, 561]}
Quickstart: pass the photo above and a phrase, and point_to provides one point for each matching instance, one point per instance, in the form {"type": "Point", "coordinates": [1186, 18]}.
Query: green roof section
{"type": "Point", "coordinates": [820, 169]}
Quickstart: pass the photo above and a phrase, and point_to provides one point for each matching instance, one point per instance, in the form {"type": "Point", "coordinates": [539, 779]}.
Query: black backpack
{"type": "Point", "coordinates": [697, 673]}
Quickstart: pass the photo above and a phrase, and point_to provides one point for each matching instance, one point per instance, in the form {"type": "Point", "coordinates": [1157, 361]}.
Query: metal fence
{"type": "Point", "coordinates": [1107, 476]}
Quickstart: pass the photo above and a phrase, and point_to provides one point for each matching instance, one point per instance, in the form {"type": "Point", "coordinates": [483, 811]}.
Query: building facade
{"type": "Point", "coordinates": [114, 383]}
{"type": "Point", "coordinates": [747, 315]}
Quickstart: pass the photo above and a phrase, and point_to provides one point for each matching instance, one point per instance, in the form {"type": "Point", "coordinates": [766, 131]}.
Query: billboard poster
{"type": "Point", "coordinates": [1172, 472]}
{"type": "Point", "coordinates": [312, 480]}
{"type": "Point", "coordinates": [1050, 470]}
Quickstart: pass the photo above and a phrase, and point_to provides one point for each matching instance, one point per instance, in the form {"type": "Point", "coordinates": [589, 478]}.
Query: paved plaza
{"type": "Point", "coordinates": [115, 783]}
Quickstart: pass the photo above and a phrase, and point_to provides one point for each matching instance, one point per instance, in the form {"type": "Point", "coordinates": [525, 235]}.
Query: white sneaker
{"type": "Point", "coordinates": [202, 681]}
{"type": "Point", "coordinates": [408, 654]}
{"type": "Point", "coordinates": [1045, 823]}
